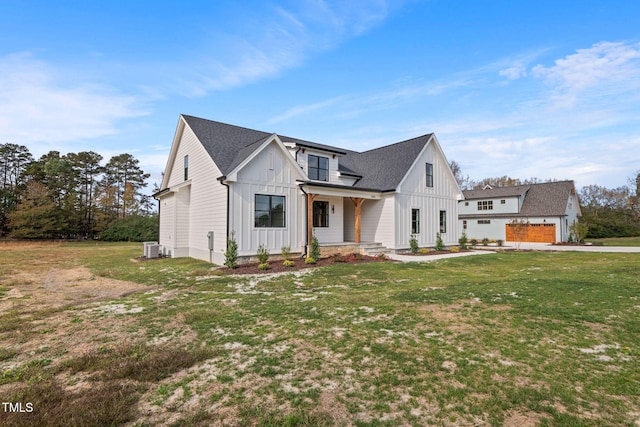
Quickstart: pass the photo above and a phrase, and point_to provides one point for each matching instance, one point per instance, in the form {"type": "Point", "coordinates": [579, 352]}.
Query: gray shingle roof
{"type": "Point", "coordinates": [381, 168]}
{"type": "Point", "coordinates": [545, 199]}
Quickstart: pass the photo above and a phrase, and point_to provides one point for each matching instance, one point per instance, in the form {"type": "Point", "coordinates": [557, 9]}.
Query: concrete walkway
{"type": "Point", "coordinates": [510, 245]}
{"type": "Point", "coordinates": [429, 258]}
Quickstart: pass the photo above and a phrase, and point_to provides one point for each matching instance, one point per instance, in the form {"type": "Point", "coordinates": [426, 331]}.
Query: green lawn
{"type": "Point", "coordinates": [539, 338]}
{"type": "Point", "coordinates": [618, 241]}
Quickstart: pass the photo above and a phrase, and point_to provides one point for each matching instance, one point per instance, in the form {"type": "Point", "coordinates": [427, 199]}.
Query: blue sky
{"type": "Point", "coordinates": [547, 89]}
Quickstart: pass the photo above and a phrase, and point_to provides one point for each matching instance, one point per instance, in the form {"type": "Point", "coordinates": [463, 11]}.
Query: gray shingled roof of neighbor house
{"type": "Point", "coordinates": [544, 199]}
{"type": "Point", "coordinates": [380, 169]}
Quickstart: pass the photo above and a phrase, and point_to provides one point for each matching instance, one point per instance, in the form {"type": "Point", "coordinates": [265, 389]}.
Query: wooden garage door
{"type": "Point", "coordinates": [541, 233]}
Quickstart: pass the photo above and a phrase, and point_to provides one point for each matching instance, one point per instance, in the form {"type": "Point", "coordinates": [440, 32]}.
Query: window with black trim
{"type": "Point", "coordinates": [429, 174]}
{"type": "Point", "coordinates": [443, 221]}
{"type": "Point", "coordinates": [320, 214]}
{"type": "Point", "coordinates": [415, 221]}
{"type": "Point", "coordinates": [485, 205]}
{"type": "Point", "coordinates": [269, 211]}
{"type": "Point", "coordinates": [186, 167]}
{"type": "Point", "coordinates": [318, 168]}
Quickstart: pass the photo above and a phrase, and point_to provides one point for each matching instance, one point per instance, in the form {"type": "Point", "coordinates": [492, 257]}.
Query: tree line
{"type": "Point", "coordinates": [607, 212]}
{"type": "Point", "coordinates": [73, 196]}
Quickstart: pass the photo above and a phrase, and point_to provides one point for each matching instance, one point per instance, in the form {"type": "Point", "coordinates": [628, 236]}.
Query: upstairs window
{"type": "Point", "coordinates": [318, 168]}
{"type": "Point", "coordinates": [320, 214]}
{"type": "Point", "coordinates": [429, 174]}
{"type": "Point", "coordinates": [415, 221]}
{"type": "Point", "coordinates": [269, 211]}
{"type": "Point", "coordinates": [186, 167]}
{"type": "Point", "coordinates": [485, 205]}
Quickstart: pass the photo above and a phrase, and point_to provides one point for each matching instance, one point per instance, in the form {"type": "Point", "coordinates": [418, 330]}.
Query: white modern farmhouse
{"type": "Point", "coordinates": [279, 191]}
{"type": "Point", "coordinates": [550, 208]}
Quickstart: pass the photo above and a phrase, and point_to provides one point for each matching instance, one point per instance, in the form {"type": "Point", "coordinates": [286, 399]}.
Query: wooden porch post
{"type": "Point", "coordinates": [357, 202]}
{"type": "Point", "coordinates": [310, 198]}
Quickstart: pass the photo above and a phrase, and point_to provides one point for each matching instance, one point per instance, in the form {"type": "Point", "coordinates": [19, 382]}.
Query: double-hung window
{"type": "Point", "coordinates": [320, 214]}
{"type": "Point", "coordinates": [415, 221]}
{"type": "Point", "coordinates": [485, 205]}
{"type": "Point", "coordinates": [429, 174]}
{"type": "Point", "coordinates": [186, 167]}
{"type": "Point", "coordinates": [318, 168]}
{"type": "Point", "coordinates": [269, 211]}
{"type": "Point", "coordinates": [443, 221]}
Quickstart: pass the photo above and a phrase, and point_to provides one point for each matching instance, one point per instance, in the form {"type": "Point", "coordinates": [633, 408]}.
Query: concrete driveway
{"type": "Point", "coordinates": [511, 245]}
{"type": "Point", "coordinates": [583, 248]}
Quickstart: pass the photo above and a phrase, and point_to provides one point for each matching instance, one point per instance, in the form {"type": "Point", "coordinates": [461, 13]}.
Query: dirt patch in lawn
{"type": "Point", "coordinates": [63, 287]}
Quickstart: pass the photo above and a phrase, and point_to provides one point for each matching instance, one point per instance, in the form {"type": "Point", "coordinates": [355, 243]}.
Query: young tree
{"type": "Point", "coordinates": [36, 216]}
{"type": "Point", "coordinates": [519, 227]}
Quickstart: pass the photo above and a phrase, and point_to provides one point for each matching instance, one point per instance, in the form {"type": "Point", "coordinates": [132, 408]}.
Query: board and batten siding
{"type": "Point", "coordinates": [268, 173]}
{"type": "Point", "coordinates": [200, 203]}
{"type": "Point", "coordinates": [335, 231]}
{"type": "Point", "coordinates": [413, 193]}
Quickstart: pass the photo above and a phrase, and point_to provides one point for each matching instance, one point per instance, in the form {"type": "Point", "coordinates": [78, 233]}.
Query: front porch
{"type": "Point", "coordinates": [334, 217]}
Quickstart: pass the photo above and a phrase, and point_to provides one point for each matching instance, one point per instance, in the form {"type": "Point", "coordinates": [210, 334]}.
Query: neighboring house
{"type": "Point", "coordinates": [278, 191]}
{"type": "Point", "coordinates": [551, 208]}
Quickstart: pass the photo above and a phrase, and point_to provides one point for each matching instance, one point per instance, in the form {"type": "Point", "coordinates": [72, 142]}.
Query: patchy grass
{"type": "Point", "coordinates": [512, 338]}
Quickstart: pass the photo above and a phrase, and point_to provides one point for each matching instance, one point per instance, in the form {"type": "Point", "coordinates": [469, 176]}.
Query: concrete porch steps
{"type": "Point", "coordinates": [367, 248]}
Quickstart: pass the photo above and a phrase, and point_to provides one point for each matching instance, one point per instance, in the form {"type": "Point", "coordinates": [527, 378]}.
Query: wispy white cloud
{"type": "Point", "coordinates": [38, 105]}
{"type": "Point", "coordinates": [604, 69]}
{"type": "Point", "coordinates": [282, 39]}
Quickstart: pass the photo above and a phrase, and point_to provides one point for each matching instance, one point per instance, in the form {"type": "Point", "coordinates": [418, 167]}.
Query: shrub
{"type": "Point", "coordinates": [263, 266]}
{"type": "Point", "coordinates": [314, 252]}
{"type": "Point", "coordinates": [337, 258]}
{"type": "Point", "coordinates": [263, 254]}
{"type": "Point", "coordinates": [500, 242]}
{"type": "Point", "coordinates": [231, 254]}
{"type": "Point", "coordinates": [309, 260]}
{"type": "Point", "coordinates": [288, 263]}
{"type": "Point", "coordinates": [485, 242]}
{"type": "Point", "coordinates": [454, 249]}
{"type": "Point", "coordinates": [286, 252]}
{"type": "Point", "coordinates": [474, 242]}
{"type": "Point", "coordinates": [424, 251]}
{"type": "Point", "coordinates": [413, 243]}
{"type": "Point", "coordinates": [439, 243]}
{"type": "Point", "coordinates": [463, 241]}
{"type": "Point", "coordinates": [381, 257]}
{"type": "Point", "coordinates": [133, 228]}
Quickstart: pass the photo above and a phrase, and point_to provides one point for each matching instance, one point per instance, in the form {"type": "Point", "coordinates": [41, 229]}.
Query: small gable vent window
{"type": "Point", "coordinates": [429, 174]}
{"type": "Point", "coordinates": [318, 168]}
{"type": "Point", "coordinates": [186, 167]}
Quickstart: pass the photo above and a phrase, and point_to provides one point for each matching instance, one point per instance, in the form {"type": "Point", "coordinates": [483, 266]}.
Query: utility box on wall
{"type": "Point", "coordinates": [210, 240]}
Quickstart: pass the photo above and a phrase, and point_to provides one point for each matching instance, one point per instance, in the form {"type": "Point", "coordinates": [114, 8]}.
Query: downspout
{"type": "Point", "coordinates": [221, 180]}
{"type": "Point", "coordinates": [306, 207]}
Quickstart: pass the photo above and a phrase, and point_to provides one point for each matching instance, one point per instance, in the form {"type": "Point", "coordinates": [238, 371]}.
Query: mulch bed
{"type": "Point", "coordinates": [277, 267]}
